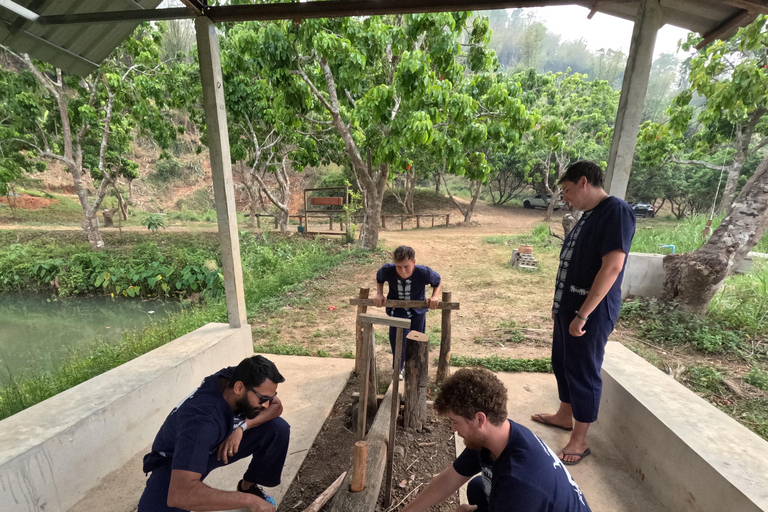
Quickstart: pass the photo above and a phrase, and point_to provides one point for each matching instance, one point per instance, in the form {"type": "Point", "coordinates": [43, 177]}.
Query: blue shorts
{"type": "Point", "coordinates": [418, 323]}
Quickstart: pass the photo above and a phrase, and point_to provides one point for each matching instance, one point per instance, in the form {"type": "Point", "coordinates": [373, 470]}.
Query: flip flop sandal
{"type": "Point", "coordinates": [579, 455]}
{"type": "Point", "coordinates": [543, 420]}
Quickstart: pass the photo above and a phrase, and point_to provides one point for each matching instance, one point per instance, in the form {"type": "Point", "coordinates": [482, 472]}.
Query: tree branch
{"type": "Point", "coordinates": [708, 165]}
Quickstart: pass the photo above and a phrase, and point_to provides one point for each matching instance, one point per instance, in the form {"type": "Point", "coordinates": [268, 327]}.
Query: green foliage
{"type": "Point", "coordinates": [758, 378]}
{"type": "Point", "coordinates": [347, 355]}
{"type": "Point", "coordinates": [704, 379]}
{"type": "Point", "coordinates": [168, 169]}
{"type": "Point", "coordinates": [153, 222]}
{"type": "Point", "coordinates": [667, 324]}
{"type": "Point", "coordinates": [504, 364]}
{"type": "Point", "coordinates": [282, 349]}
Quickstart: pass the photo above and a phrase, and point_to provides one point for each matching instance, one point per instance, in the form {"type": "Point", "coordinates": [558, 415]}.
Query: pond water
{"type": "Point", "coordinates": [39, 333]}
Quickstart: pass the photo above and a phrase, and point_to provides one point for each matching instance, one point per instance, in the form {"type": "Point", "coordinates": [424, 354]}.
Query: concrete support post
{"type": "Point", "coordinates": [633, 89]}
{"type": "Point", "coordinates": [221, 168]}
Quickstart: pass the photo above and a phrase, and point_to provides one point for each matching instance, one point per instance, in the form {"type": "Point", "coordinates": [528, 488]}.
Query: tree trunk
{"type": "Point", "coordinates": [90, 225]}
{"type": "Point", "coordinates": [437, 183]}
{"type": "Point", "coordinates": [570, 219]}
{"type": "Point", "coordinates": [731, 182]}
{"type": "Point", "coordinates": [369, 233]}
{"type": "Point", "coordinates": [471, 208]}
{"type": "Point", "coordinates": [109, 215]}
{"type": "Point", "coordinates": [692, 279]}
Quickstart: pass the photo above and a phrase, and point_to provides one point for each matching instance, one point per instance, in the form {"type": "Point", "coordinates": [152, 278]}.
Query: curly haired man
{"type": "Point", "coordinates": [517, 470]}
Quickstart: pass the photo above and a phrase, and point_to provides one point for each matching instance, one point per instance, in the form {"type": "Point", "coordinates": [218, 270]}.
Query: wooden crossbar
{"type": "Point", "coordinates": [367, 318]}
{"type": "Point", "coordinates": [392, 303]}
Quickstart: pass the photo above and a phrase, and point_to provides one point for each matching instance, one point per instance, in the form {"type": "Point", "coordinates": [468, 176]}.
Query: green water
{"type": "Point", "coordinates": [39, 333]}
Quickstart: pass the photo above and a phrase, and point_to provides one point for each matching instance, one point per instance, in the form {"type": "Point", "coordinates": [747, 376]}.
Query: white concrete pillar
{"type": "Point", "coordinates": [630, 114]}
{"type": "Point", "coordinates": [221, 168]}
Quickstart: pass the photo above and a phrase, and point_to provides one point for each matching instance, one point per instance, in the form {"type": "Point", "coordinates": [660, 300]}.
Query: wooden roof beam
{"type": "Point", "coordinates": [758, 6]}
{"type": "Point", "coordinates": [195, 6]}
{"type": "Point", "coordinates": [731, 23]}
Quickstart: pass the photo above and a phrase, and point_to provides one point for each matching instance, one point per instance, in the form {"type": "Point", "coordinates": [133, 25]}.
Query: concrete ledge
{"type": "Point", "coordinates": [690, 455]}
{"type": "Point", "coordinates": [55, 451]}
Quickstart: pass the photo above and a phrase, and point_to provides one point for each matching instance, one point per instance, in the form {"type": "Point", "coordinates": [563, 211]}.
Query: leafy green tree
{"type": "Point", "coordinates": [87, 123]}
{"type": "Point", "coordinates": [732, 76]}
{"type": "Point", "coordinates": [386, 86]}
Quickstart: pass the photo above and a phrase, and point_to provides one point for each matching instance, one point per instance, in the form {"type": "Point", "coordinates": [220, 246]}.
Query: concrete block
{"type": "Point", "coordinates": [643, 275]}
{"type": "Point", "coordinates": [55, 451]}
{"type": "Point", "coordinates": [690, 455]}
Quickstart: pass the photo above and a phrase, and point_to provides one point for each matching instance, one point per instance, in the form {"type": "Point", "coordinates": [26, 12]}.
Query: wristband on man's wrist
{"type": "Point", "coordinates": [243, 426]}
{"type": "Point", "coordinates": [583, 318]}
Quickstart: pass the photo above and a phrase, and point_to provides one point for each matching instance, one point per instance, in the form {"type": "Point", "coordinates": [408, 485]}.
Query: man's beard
{"type": "Point", "coordinates": [244, 408]}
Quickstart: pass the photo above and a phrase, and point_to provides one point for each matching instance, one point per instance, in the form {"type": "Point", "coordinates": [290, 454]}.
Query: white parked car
{"type": "Point", "coordinates": [539, 202]}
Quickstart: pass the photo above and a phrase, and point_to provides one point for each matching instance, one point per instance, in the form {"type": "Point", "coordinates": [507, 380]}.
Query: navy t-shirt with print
{"type": "Point", "coordinates": [413, 287]}
{"type": "Point", "coordinates": [196, 427]}
{"type": "Point", "coordinates": [607, 227]}
{"type": "Point", "coordinates": [527, 476]}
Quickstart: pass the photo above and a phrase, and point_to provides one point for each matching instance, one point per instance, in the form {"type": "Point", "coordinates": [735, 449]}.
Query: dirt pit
{"type": "Point", "coordinates": [27, 202]}
{"type": "Point", "coordinates": [424, 454]}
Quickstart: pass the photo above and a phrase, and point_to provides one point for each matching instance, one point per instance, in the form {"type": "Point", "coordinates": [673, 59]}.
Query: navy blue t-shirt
{"type": "Point", "coordinates": [412, 288]}
{"type": "Point", "coordinates": [607, 227]}
{"type": "Point", "coordinates": [527, 476]}
{"type": "Point", "coordinates": [196, 427]}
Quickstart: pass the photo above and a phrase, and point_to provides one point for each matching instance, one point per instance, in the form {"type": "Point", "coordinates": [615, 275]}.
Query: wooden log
{"type": "Point", "coordinates": [416, 370]}
{"type": "Point", "coordinates": [418, 221]}
{"type": "Point", "coordinates": [365, 501]}
{"type": "Point", "coordinates": [393, 416]}
{"type": "Point", "coordinates": [326, 495]}
{"type": "Point", "coordinates": [394, 303]}
{"type": "Point", "coordinates": [361, 308]}
{"type": "Point", "coordinates": [358, 466]}
{"type": "Point", "coordinates": [444, 361]}
{"type": "Point", "coordinates": [362, 411]}
{"type": "Point", "coordinates": [367, 318]}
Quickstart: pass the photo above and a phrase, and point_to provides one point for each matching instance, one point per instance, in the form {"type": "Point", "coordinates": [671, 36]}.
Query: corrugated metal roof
{"type": "Point", "coordinates": [79, 48]}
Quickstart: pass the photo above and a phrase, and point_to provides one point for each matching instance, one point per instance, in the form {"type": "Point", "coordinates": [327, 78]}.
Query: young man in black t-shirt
{"type": "Point", "coordinates": [518, 472]}
{"type": "Point", "coordinates": [407, 281]}
{"type": "Point", "coordinates": [234, 414]}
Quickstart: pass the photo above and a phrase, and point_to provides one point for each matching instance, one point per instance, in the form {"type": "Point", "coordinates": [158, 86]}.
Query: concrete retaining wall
{"type": "Point", "coordinates": [691, 456]}
{"type": "Point", "coordinates": [644, 274]}
{"type": "Point", "coordinates": [53, 452]}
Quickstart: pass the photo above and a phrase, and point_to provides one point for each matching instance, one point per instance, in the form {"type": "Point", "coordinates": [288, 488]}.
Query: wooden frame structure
{"type": "Point", "coordinates": [322, 213]}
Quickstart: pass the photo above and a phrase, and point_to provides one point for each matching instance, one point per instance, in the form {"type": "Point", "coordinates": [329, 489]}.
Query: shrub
{"type": "Point", "coordinates": [758, 378]}
{"type": "Point", "coordinates": [704, 379]}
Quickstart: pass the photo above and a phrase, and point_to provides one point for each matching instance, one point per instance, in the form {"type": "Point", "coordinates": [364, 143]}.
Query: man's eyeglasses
{"type": "Point", "coordinates": [262, 398]}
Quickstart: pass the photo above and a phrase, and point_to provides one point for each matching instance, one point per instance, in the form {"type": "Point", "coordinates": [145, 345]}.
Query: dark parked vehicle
{"type": "Point", "coordinates": [643, 210]}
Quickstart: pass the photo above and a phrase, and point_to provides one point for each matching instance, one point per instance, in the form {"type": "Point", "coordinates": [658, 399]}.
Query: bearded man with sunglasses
{"type": "Point", "coordinates": [234, 414]}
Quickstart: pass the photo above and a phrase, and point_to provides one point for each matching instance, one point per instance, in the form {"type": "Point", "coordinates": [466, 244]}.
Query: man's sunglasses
{"type": "Point", "coordinates": [262, 398]}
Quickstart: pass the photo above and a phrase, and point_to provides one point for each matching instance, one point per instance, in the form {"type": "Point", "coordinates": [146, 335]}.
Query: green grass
{"type": "Point", "coordinates": [504, 364]}
{"type": "Point", "coordinates": [539, 239]}
{"type": "Point", "coordinates": [65, 210]}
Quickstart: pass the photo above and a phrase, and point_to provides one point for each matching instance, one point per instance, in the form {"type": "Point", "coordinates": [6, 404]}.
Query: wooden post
{"type": "Point", "coordinates": [383, 222]}
{"type": "Point", "coordinates": [416, 370]}
{"type": "Point", "coordinates": [362, 405]}
{"type": "Point", "coordinates": [393, 416]}
{"type": "Point", "coordinates": [444, 363]}
{"type": "Point", "coordinates": [358, 467]}
{"type": "Point", "coordinates": [359, 331]}
{"type": "Point", "coordinates": [402, 223]}
{"type": "Point", "coordinates": [418, 221]}
{"type": "Point", "coordinates": [330, 222]}
{"type": "Point", "coordinates": [433, 221]}
{"type": "Point", "coordinates": [275, 221]}
{"type": "Point", "coordinates": [373, 381]}
{"type": "Point", "coordinates": [447, 218]}
{"type": "Point", "coordinates": [258, 220]}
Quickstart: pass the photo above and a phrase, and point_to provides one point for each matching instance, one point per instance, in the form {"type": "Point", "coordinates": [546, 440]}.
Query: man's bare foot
{"type": "Point", "coordinates": [552, 420]}
{"type": "Point", "coordinates": [573, 452]}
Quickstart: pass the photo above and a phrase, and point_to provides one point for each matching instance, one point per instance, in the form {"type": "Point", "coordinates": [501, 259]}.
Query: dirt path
{"type": "Point", "coordinates": [498, 303]}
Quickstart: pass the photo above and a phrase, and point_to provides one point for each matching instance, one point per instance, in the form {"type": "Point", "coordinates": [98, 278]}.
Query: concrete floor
{"type": "Point", "coordinates": [311, 388]}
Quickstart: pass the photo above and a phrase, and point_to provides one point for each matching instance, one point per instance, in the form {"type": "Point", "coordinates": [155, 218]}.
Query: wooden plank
{"type": "Point", "coordinates": [328, 201]}
{"type": "Point", "coordinates": [362, 411]}
{"type": "Point", "coordinates": [393, 417]}
{"type": "Point", "coordinates": [444, 361]}
{"type": "Point", "coordinates": [326, 495]}
{"type": "Point", "coordinates": [392, 303]}
{"type": "Point", "coordinates": [365, 501]}
{"type": "Point", "coordinates": [367, 318]}
{"type": "Point", "coordinates": [359, 330]}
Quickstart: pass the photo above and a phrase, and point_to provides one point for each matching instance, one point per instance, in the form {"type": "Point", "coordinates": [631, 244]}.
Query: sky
{"type": "Point", "coordinates": [603, 30]}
